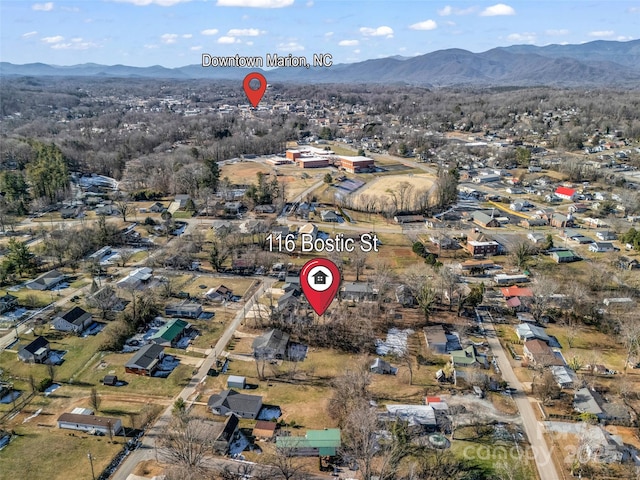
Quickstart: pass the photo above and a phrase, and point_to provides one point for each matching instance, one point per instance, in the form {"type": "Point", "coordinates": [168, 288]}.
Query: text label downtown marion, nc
{"type": "Point", "coordinates": [270, 60]}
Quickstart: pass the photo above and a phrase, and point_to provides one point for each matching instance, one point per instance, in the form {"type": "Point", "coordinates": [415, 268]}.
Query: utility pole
{"type": "Point", "coordinates": [90, 457]}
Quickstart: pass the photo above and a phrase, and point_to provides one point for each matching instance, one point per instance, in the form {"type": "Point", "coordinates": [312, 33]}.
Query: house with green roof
{"type": "Point", "coordinates": [564, 256]}
{"type": "Point", "coordinates": [170, 333]}
{"type": "Point", "coordinates": [468, 357]}
{"type": "Point", "coordinates": [323, 443]}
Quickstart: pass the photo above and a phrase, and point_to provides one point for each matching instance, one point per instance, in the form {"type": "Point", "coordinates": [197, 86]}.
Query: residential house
{"type": "Point", "coordinates": [540, 354]}
{"type": "Point", "coordinates": [565, 193]}
{"type": "Point", "coordinates": [233, 208]}
{"type": "Point", "coordinates": [436, 339]}
{"type": "Point", "coordinates": [222, 433]}
{"type": "Point", "coordinates": [240, 404]}
{"type": "Point", "coordinates": [536, 237]}
{"type": "Point", "coordinates": [171, 333]}
{"type": "Point", "coordinates": [602, 446]}
{"type": "Point", "coordinates": [146, 360]}
{"type": "Point", "coordinates": [626, 263]}
{"type": "Point", "coordinates": [516, 291]}
{"type": "Point", "coordinates": [584, 401]}
{"type": "Point", "coordinates": [323, 443]}
{"type": "Point", "coordinates": [8, 302]}
{"type": "Point", "coordinates": [35, 352]}
{"type": "Point", "coordinates": [308, 229]}
{"type": "Point", "coordinates": [606, 235]}
{"type": "Point", "coordinates": [405, 297]}
{"type": "Point", "coordinates": [601, 247]}
{"type": "Point", "coordinates": [186, 309]}
{"type": "Point", "coordinates": [504, 279]}
{"type": "Point", "coordinates": [526, 331]}
{"type": "Point", "coordinates": [381, 367]}
{"type": "Point", "coordinates": [46, 281]}
{"type": "Point", "coordinates": [418, 417]}
{"type": "Point", "coordinates": [356, 292]}
{"type": "Point", "coordinates": [533, 222]}
{"type": "Point", "coordinates": [136, 278]}
{"type": "Point", "coordinates": [157, 207]}
{"type": "Point", "coordinates": [97, 255]}
{"type": "Point", "coordinates": [272, 345]}
{"type": "Point", "coordinates": [329, 216]}
{"type": "Point", "coordinates": [76, 320]}
{"type": "Point", "coordinates": [468, 357]}
{"type": "Point", "coordinates": [90, 423]}
{"type": "Point", "coordinates": [219, 294]}
{"type": "Point", "coordinates": [564, 256]}
{"type": "Point", "coordinates": [564, 376]}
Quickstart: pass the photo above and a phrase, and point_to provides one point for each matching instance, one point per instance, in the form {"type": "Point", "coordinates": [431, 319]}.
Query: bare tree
{"type": "Point", "coordinates": [521, 255]}
{"type": "Point", "coordinates": [186, 441]}
{"type": "Point", "coordinates": [358, 260]}
{"type": "Point", "coordinates": [286, 464]}
{"type": "Point", "coordinates": [542, 290]}
{"type": "Point", "coordinates": [448, 281]}
{"type": "Point", "coordinates": [94, 399]}
{"type": "Point", "coordinates": [124, 206]}
{"type": "Point", "coordinates": [125, 255]}
{"type": "Point", "coordinates": [630, 336]}
{"type": "Point", "coordinates": [360, 441]}
{"type": "Point", "coordinates": [104, 299]}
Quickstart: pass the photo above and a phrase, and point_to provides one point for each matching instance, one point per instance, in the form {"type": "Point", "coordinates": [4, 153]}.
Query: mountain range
{"type": "Point", "coordinates": [598, 63]}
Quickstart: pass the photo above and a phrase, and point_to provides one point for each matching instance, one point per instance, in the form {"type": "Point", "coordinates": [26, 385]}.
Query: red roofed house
{"type": "Point", "coordinates": [509, 292]}
{"type": "Point", "coordinates": [565, 193]}
{"type": "Point", "coordinates": [429, 400]}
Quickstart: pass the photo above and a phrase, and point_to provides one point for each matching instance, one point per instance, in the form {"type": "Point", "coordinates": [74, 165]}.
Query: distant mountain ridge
{"type": "Point", "coordinates": [598, 63]}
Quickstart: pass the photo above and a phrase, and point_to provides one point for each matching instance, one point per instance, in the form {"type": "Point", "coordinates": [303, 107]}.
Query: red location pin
{"type": "Point", "coordinates": [254, 96]}
{"type": "Point", "coordinates": [320, 280]}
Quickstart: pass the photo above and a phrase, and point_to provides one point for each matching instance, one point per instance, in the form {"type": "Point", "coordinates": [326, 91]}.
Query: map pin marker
{"type": "Point", "coordinates": [320, 280]}
{"type": "Point", "coordinates": [254, 96]}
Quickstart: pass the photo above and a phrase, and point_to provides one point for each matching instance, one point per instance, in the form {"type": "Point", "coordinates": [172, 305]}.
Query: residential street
{"type": "Point", "coordinates": [147, 450]}
{"type": "Point", "coordinates": [533, 428]}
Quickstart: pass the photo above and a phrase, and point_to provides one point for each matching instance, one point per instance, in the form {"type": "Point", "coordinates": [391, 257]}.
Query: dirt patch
{"type": "Point", "coordinates": [148, 468]}
{"type": "Point", "coordinates": [380, 187]}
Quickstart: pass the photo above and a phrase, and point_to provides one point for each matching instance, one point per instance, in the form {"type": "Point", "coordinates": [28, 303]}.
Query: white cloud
{"type": "Point", "coordinates": [348, 43]}
{"type": "Point", "coordinates": [150, 46]}
{"type": "Point", "coordinates": [328, 34]}
{"type": "Point", "coordinates": [162, 3]}
{"type": "Point", "coordinates": [227, 40]}
{"type": "Point", "coordinates": [382, 31]}
{"type": "Point", "coordinates": [29, 34]}
{"type": "Point", "coordinates": [244, 32]}
{"type": "Point", "coordinates": [250, 43]}
{"type": "Point", "coordinates": [187, 35]}
{"type": "Point", "coordinates": [499, 9]}
{"type": "Point", "coordinates": [209, 31]}
{"type": "Point", "coordinates": [42, 7]}
{"type": "Point", "coordinates": [557, 33]}
{"type": "Point", "coordinates": [77, 43]}
{"type": "Point", "coordinates": [426, 25]}
{"type": "Point", "coordinates": [310, 3]}
{"type": "Point", "coordinates": [602, 33]}
{"type": "Point", "coordinates": [255, 3]}
{"type": "Point", "coordinates": [54, 39]}
{"type": "Point", "coordinates": [169, 38]}
{"type": "Point", "coordinates": [634, 10]}
{"type": "Point", "coordinates": [522, 37]}
{"type": "Point", "coordinates": [290, 47]}
{"type": "Point", "coordinates": [624, 38]}
{"type": "Point", "coordinates": [70, 9]}
{"type": "Point", "coordinates": [449, 10]}
{"type": "Point", "coordinates": [196, 48]}
{"type": "Point", "coordinates": [356, 51]}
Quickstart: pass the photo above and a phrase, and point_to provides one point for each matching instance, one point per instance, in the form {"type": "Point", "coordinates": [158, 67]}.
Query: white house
{"type": "Point", "coordinates": [600, 247]}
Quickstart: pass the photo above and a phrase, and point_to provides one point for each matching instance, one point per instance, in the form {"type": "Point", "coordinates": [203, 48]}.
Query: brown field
{"type": "Point", "coordinates": [381, 185]}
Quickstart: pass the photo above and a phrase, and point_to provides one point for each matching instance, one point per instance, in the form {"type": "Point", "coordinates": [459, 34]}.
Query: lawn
{"type": "Point", "coordinates": [113, 364]}
{"type": "Point", "coordinates": [79, 352]}
{"type": "Point", "coordinates": [65, 454]}
{"type": "Point", "coordinates": [238, 286]}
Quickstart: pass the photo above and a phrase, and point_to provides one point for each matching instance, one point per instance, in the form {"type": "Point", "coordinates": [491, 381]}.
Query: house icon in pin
{"type": "Point", "coordinates": [320, 278]}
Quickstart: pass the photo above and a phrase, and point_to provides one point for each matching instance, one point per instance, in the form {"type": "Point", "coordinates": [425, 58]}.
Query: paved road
{"type": "Point", "coordinates": [534, 430]}
{"type": "Point", "coordinates": [147, 450]}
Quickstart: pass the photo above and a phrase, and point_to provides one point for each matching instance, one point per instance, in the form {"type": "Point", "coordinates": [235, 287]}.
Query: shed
{"type": "Point", "coordinates": [264, 429]}
{"type": "Point", "coordinates": [110, 380]}
{"type": "Point", "coordinates": [235, 381]}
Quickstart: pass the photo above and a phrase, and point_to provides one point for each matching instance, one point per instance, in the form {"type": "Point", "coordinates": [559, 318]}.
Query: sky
{"type": "Point", "coordinates": [175, 33]}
